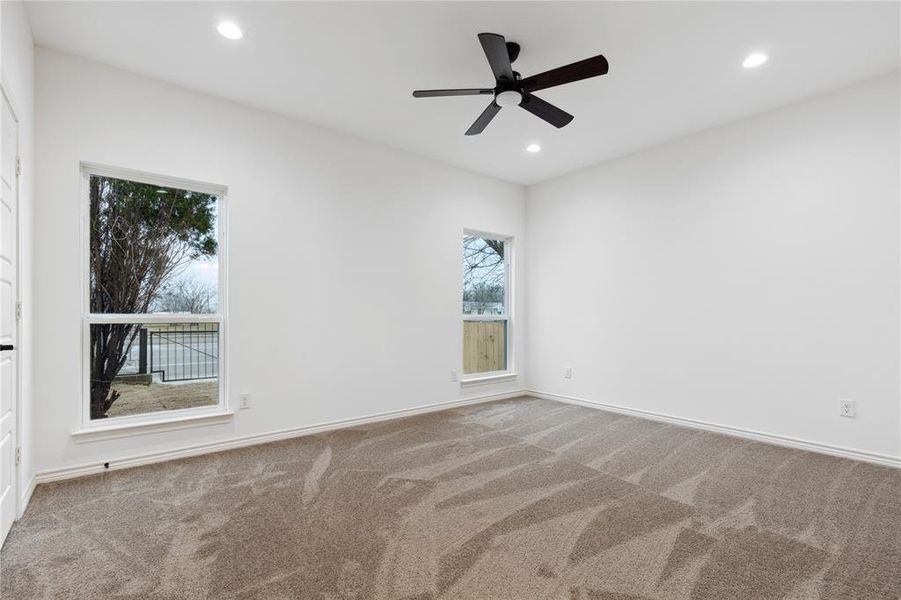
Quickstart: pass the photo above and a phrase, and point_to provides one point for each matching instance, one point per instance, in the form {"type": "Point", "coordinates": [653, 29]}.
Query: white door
{"type": "Point", "coordinates": [9, 132]}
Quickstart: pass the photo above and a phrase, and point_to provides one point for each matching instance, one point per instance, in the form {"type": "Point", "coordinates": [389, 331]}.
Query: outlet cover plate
{"type": "Point", "coordinates": [846, 408]}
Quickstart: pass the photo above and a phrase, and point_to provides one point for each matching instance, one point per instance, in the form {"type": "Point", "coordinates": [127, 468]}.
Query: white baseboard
{"type": "Point", "coordinates": [779, 440]}
{"type": "Point", "coordinates": [251, 440]}
{"type": "Point", "coordinates": [273, 436]}
{"type": "Point", "coordinates": [26, 495]}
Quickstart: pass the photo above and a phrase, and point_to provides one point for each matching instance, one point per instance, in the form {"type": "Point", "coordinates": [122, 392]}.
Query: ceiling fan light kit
{"type": "Point", "coordinates": [508, 98]}
{"type": "Point", "coordinates": [511, 90]}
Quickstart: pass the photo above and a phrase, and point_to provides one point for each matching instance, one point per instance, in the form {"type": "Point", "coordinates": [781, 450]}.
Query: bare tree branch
{"type": "Point", "coordinates": [484, 274]}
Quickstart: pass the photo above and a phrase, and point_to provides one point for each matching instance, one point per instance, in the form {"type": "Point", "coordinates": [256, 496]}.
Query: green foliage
{"type": "Point", "coordinates": [140, 235]}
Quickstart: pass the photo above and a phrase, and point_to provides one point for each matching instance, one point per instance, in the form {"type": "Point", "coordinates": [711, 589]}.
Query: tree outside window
{"type": "Point", "coordinates": [147, 245]}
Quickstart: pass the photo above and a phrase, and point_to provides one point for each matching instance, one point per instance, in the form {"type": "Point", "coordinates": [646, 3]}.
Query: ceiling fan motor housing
{"type": "Point", "coordinates": [513, 51]}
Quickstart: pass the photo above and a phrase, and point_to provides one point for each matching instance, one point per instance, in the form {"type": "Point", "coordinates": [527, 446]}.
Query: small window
{"type": "Point", "coordinates": [486, 304]}
{"type": "Point", "coordinates": [154, 320]}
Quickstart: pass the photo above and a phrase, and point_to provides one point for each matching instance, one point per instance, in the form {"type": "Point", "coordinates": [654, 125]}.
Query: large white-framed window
{"type": "Point", "coordinates": [154, 299]}
{"type": "Point", "coordinates": [487, 306]}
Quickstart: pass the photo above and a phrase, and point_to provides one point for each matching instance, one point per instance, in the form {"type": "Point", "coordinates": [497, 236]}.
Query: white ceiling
{"type": "Point", "coordinates": [674, 66]}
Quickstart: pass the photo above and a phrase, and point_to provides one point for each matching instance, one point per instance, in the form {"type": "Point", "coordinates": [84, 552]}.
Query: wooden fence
{"type": "Point", "coordinates": [484, 346]}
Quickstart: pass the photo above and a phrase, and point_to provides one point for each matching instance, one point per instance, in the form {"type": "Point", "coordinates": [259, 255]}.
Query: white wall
{"type": "Point", "coordinates": [345, 256]}
{"type": "Point", "coordinates": [17, 67]}
{"type": "Point", "coordinates": [746, 276]}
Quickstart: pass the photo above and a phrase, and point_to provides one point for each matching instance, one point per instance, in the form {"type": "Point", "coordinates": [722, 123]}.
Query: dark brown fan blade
{"type": "Point", "coordinates": [495, 48]}
{"type": "Point", "coordinates": [547, 111]}
{"type": "Point", "coordinates": [457, 92]}
{"type": "Point", "coordinates": [484, 118]}
{"type": "Point", "coordinates": [590, 67]}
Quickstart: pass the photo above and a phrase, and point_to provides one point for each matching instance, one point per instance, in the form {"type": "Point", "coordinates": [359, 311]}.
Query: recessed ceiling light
{"type": "Point", "coordinates": [533, 148]}
{"type": "Point", "coordinates": [754, 60]}
{"type": "Point", "coordinates": [230, 30]}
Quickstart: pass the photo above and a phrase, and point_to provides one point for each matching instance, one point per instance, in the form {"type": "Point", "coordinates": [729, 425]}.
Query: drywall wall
{"type": "Point", "coordinates": [17, 67]}
{"type": "Point", "coordinates": [746, 276]}
{"type": "Point", "coordinates": [344, 256]}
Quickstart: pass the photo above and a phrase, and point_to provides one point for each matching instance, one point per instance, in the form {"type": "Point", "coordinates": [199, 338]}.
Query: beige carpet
{"type": "Point", "coordinates": [516, 499]}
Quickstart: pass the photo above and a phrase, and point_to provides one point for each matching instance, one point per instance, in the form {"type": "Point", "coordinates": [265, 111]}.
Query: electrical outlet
{"type": "Point", "coordinates": [846, 408]}
{"type": "Point", "coordinates": [454, 375]}
{"type": "Point", "coordinates": [568, 373]}
{"type": "Point", "coordinates": [244, 401]}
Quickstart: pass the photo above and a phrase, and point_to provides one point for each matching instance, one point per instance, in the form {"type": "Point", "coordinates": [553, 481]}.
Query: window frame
{"type": "Point", "coordinates": [508, 316]}
{"type": "Point", "coordinates": [201, 414]}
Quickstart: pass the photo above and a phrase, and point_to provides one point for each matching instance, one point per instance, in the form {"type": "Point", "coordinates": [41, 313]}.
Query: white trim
{"type": "Point", "coordinates": [25, 498]}
{"type": "Point", "coordinates": [181, 183]}
{"type": "Point", "coordinates": [759, 436]}
{"type": "Point", "coordinates": [251, 440]}
{"type": "Point", "coordinates": [165, 422]}
{"type": "Point", "coordinates": [488, 235]}
{"type": "Point", "coordinates": [484, 317]}
{"type": "Point", "coordinates": [261, 438]}
{"type": "Point", "coordinates": [482, 379]}
{"type": "Point", "coordinates": [95, 319]}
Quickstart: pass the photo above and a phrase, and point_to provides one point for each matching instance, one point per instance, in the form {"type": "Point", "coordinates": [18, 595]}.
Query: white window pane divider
{"type": "Point", "coordinates": [154, 318]}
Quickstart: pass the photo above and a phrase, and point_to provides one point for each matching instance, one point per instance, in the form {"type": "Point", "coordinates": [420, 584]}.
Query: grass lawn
{"type": "Point", "coordinates": [137, 399]}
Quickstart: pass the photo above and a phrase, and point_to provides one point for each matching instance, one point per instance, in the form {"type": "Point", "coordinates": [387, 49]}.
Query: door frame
{"type": "Point", "coordinates": [20, 502]}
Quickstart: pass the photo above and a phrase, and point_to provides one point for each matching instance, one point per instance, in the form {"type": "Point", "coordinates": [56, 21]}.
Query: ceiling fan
{"type": "Point", "coordinates": [511, 90]}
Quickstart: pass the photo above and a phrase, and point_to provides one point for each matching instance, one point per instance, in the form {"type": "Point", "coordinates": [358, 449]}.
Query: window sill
{"type": "Point", "coordinates": [499, 378]}
{"type": "Point", "coordinates": [108, 432]}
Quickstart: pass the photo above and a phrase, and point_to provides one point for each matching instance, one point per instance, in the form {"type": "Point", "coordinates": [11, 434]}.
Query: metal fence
{"type": "Point", "coordinates": [181, 351]}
